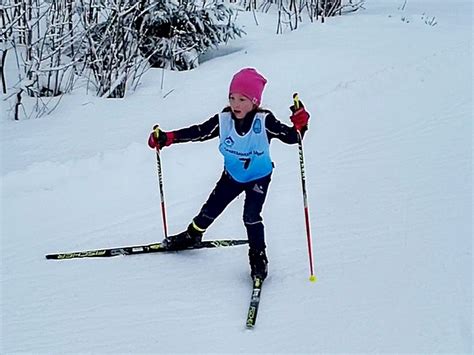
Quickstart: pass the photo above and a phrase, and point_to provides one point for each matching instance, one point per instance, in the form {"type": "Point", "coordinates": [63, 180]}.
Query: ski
{"type": "Point", "coordinates": [140, 249]}
{"type": "Point", "coordinates": [254, 302]}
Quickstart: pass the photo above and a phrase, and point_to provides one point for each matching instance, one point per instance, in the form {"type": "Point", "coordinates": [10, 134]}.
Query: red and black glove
{"type": "Point", "coordinates": [300, 116]}
{"type": "Point", "coordinates": [159, 139]}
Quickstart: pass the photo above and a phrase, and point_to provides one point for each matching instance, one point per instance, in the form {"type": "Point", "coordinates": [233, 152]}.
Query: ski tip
{"type": "Point", "coordinates": [313, 278]}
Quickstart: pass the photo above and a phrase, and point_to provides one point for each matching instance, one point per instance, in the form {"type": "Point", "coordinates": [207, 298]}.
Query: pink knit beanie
{"type": "Point", "coordinates": [250, 83]}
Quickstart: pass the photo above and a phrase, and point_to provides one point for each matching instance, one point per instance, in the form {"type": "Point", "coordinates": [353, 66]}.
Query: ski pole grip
{"type": "Point", "coordinates": [156, 130]}
{"type": "Point", "coordinates": [296, 101]}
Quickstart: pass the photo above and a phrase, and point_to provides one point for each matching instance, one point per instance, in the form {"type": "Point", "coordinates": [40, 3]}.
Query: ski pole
{"type": "Point", "coordinates": [312, 277]}
{"type": "Point", "coordinates": [160, 183]}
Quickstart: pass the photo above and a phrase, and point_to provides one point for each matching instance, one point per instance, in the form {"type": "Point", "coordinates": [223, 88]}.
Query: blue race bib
{"type": "Point", "coordinates": [247, 157]}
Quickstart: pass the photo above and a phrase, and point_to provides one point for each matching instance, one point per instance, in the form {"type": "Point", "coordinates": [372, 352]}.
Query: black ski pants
{"type": "Point", "coordinates": [225, 191]}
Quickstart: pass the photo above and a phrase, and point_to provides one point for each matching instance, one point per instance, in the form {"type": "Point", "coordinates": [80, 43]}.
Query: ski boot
{"type": "Point", "coordinates": [258, 264]}
{"type": "Point", "coordinates": [184, 240]}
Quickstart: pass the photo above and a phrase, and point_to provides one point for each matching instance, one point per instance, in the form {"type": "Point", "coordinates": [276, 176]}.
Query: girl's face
{"type": "Point", "coordinates": [240, 105]}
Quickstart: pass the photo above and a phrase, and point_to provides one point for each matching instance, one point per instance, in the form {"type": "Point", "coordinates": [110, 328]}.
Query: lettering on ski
{"type": "Point", "coordinates": [141, 249]}
{"type": "Point", "coordinates": [254, 303]}
{"type": "Point", "coordinates": [81, 254]}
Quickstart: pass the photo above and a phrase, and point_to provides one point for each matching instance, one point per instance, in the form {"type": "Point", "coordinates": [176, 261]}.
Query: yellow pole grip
{"type": "Point", "coordinates": [296, 101]}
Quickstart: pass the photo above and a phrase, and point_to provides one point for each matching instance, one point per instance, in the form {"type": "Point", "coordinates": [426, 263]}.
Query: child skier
{"type": "Point", "coordinates": [245, 131]}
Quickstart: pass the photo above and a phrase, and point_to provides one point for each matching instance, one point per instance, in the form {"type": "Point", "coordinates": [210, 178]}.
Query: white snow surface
{"type": "Point", "coordinates": [388, 168]}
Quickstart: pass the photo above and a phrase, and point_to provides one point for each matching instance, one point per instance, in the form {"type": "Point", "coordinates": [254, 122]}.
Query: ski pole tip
{"type": "Point", "coordinates": [313, 278]}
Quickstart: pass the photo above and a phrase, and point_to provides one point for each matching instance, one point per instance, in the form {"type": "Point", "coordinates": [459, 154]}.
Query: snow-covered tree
{"type": "Point", "coordinates": [123, 37]}
{"type": "Point", "coordinates": [178, 32]}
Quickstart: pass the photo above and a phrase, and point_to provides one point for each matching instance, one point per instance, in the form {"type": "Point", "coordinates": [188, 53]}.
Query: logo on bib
{"type": "Point", "coordinates": [257, 126]}
{"type": "Point", "coordinates": [229, 141]}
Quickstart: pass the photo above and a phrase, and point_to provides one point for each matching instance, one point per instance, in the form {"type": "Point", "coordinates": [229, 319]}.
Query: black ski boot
{"type": "Point", "coordinates": [258, 264]}
{"type": "Point", "coordinates": [184, 240]}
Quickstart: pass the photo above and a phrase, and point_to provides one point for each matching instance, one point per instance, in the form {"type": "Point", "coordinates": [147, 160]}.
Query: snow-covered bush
{"type": "Point", "coordinates": [292, 12]}
{"type": "Point", "coordinates": [110, 48]}
{"type": "Point", "coordinates": [40, 36]}
{"type": "Point", "coordinates": [110, 43]}
{"type": "Point", "coordinates": [127, 35]}
{"type": "Point", "coordinates": [177, 33]}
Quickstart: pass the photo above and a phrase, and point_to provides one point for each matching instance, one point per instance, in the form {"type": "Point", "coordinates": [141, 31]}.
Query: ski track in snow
{"type": "Point", "coordinates": [388, 163]}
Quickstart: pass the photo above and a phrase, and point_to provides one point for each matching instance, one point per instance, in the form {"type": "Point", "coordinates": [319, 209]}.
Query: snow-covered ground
{"type": "Point", "coordinates": [388, 160]}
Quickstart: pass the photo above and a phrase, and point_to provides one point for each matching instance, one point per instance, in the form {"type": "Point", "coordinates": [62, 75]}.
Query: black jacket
{"type": "Point", "coordinates": [210, 128]}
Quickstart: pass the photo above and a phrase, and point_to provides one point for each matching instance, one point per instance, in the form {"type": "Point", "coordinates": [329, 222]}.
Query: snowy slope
{"type": "Point", "coordinates": [388, 160]}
